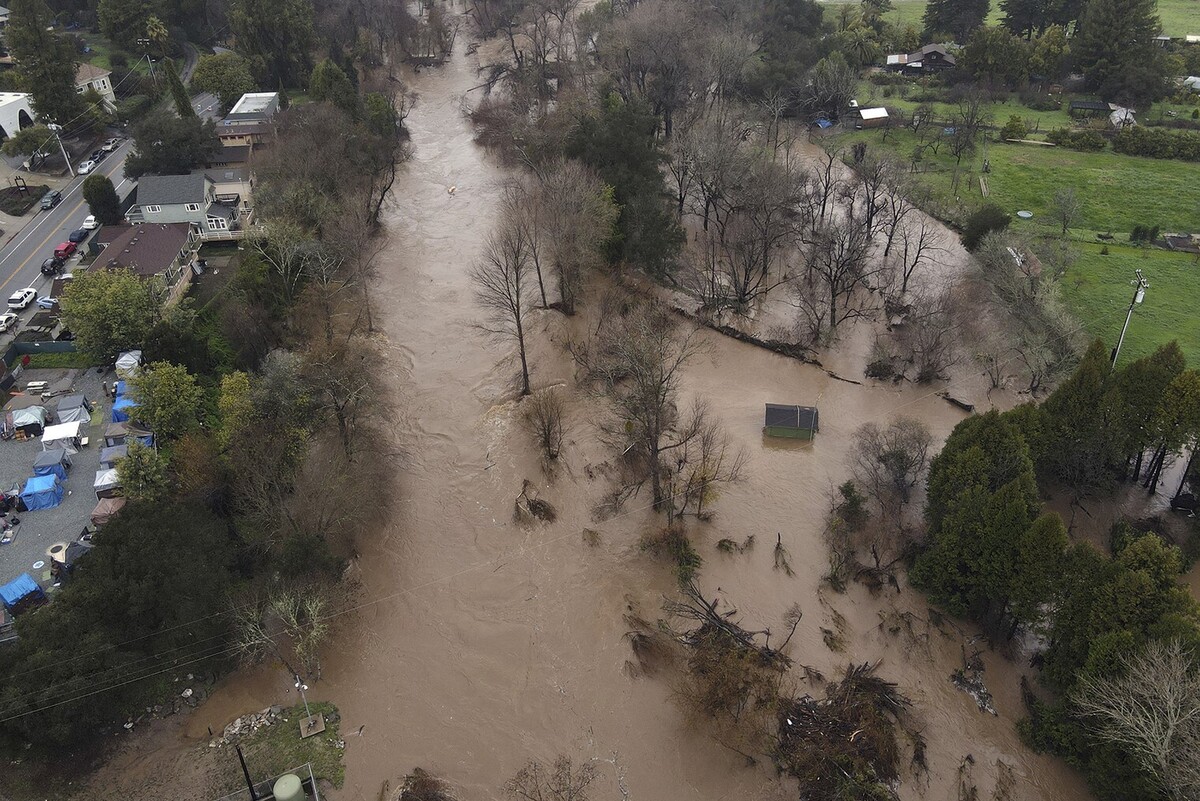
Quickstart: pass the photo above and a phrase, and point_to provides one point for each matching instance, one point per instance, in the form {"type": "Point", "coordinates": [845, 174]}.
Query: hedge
{"type": "Point", "coordinates": [1158, 143]}
{"type": "Point", "coordinates": [1088, 141]}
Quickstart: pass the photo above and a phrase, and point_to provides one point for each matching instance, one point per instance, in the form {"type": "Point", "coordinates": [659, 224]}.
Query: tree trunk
{"type": "Point", "coordinates": [524, 360]}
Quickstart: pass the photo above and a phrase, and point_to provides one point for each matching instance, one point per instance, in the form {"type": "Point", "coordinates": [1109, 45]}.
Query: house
{"type": "Point", "coordinates": [232, 185]}
{"type": "Point", "coordinates": [245, 135]}
{"type": "Point", "coordinates": [794, 422]}
{"type": "Point", "coordinates": [88, 77]}
{"type": "Point", "coordinates": [191, 199]}
{"type": "Point", "coordinates": [252, 108]}
{"type": "Point", "coordinates": [930, 58]}
{"type": "Point", "coordinates": [160, 252]}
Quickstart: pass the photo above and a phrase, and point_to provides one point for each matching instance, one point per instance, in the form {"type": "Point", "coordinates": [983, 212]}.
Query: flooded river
{"type": "Point", "coordinates": [482, 643]}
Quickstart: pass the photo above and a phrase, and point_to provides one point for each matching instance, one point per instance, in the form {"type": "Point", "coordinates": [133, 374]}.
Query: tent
{"type": "Point", "coordinates": [42, 492]}
{"type": "Point", "coordinates": [128, 363]}
{"type": "Point", "coordinates": [31, 419]}
{"type": "Point", "coordinates": [62, 565]}
{"type": "Point", "coordinates": [119, 388]}
{"type": "Point", "coordinates": [116, 433]}
{"type": "Point", "coordinates": [63, 435]}
{"type": "Point", "coordinates": [123, 406]}
{"type": "Point", "coordinates": [106, 509]}
{"type": "Point", "coordinates": [107, 483]}
{"type": "Point", "coordinates": [74, 407]}
{"type": "Point", "coordinates": [23, 402]}
{"type": "Point", "coordinates": [110, 455]}
{"type": "Point", "coordinates": [21, 593]}
{"type": "Point", "coordinates": [52, 463]}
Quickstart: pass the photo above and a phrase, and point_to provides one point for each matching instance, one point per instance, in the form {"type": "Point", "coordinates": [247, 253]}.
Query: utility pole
{"type": "Point", "coordinates": [57, 135]}
{"type": "Point", "coordinates": [1140, 285]}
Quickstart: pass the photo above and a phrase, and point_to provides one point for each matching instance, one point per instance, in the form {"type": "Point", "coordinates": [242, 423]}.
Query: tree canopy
{"type": "Point", "coordinates": [276, 38]}
{"type": "Point", "coordinates": [226, 75]}
{"type": "Point", "coordinates": [1116, 52]}
{"type": "Point", "coordinates": [168, 399]}
{"type": "Point", "coordinates": [955, 17]}
{"type": "Point", "coordinates": [101, 197]}
{"type": "Point", "coordinates": [109, 311]}
{"type": "Point", "coordinates": [46, 62]}
{"type": "Point", "coordinates": [170, 145]}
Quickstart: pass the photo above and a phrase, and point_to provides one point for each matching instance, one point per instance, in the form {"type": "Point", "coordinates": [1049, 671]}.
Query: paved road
{"type": "Point", "coordinates": [21, 256]}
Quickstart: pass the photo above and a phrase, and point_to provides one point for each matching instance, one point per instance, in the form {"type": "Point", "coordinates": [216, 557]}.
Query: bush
{"type": "Point", "coordinates": [985, 220]}
{"type": "Point", "coordinates": [118, 59]}
{"type": "Point", "coordinates": [1143, 234]}
{"type": "Point", "coordinates": [1157, 143]}
{"type": "Point", "coordinates": [1015, 128]}
{"type": "Point", "coordinates": [1087, 141]}
{"type": "Point", "coordinates": [133, 108]}
{"type": "Point", "coordinates": [1040, 102]}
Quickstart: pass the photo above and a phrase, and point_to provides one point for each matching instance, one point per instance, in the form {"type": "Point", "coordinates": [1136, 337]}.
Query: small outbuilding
{"type": "Point", "coordinates": [42, 492]}
{"type": "Point", "coordinates": [872, 118]}
{"type": "Point", "coordinates": [794, 422]}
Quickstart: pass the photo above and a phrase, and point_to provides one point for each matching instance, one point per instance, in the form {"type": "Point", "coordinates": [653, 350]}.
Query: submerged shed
{"type": "Point", "coordinates": [796, 422]}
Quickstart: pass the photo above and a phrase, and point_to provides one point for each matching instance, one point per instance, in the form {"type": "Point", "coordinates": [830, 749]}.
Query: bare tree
{"type": "Point", "coordinates": [345, 382]}
{"type": "Point", "coordinates": [932, 333]}
{"type": "Point", "coordinates": [543, 414]}
{"type": "Point", "coordinates": [562, 782]}
{"type": "Point", "coordinates": [1152, 709]}
{"type": "Point", "coordinates": [918, 243]}
{"type": "Point", "coordinates": [890, 462]}
{"type": "Point", "coordinates": [281, 244]}
{"type": "Point", "coordinates": [1066, 208]}
{"type": "Point", "coordinates": [503, 288]}
{"type": "Point", "coordinates": [704, 461]}
{"type": "Point", "coordinates": [577, 220]}
{"type": "Point", "coordinates": [839, 279]}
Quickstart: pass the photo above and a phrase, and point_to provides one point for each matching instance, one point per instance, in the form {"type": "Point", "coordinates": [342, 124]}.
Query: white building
{"type": "Point", "coordinates": [15, 113]}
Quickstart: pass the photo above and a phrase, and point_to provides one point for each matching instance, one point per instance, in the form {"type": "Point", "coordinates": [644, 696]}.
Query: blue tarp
{"type": "Point", "coordinates": [824, 123]}
{"type": "Point", "coordinates": [52, 462]}
{"type": "Point", "coordinates": [121, 409]}
{"type": "Point", "coordinates": [120, 389]}
{"type": "Point", "coordinates": [18, 589]}
{"type": "Point", "coordinates": [42, 492]}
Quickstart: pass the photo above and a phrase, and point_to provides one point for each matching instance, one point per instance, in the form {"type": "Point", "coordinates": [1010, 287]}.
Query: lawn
{"type": "Point", "coordinates": [1179, 17]}
{"type": "Point", "coordinates": [1098, 292]}
{"type": "Point", "coordinates": [277, 748]}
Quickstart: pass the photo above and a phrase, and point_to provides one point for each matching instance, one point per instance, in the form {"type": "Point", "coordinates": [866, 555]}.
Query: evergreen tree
{"type": "Point", "coordinates": [329, 83]}
{"type": "Point", "coordinates": [102, 200]}
{"type": "Point", "coordinates": [124, 21]}
{"type": "Point", "coordinates": [1116, 52]}
{"type": "Point", "coordinates": [46, 63]}
{"type": "Point", "coordinates": [183, 102]}
{"type": "Point", "coordinates": [276, 38]}
{"type": "Point", "coordinates": [955, 17]}
{"type": "Point", "coordinates": [225, 75]}
{"type": "Point", "coordinates": [1143, 383]}
{"type": "Point", "coordinates": [995, 56]}
{"type": "Point", "coordinates": [170, 145]}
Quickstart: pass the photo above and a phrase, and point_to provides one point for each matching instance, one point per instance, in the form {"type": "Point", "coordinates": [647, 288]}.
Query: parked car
{"type": "Point", "coordinates": [98, 155]}
{"type": "Point", "coordinates": [111, 144]}
{"type": "Point", "coordinates": [78, 235]}
{"type": "Point", "coordinates": [51, 199]}
{"type": "Point", "coordinates": [86, 167]}
{"type": "Point", "coordinates": [64, 250]}
{"type": "Point", "coordinates": [90, 223]}
{"type": "Point", "coordinates": [8, 321]}
{"type": "Point", "coordinates": [51, 266]}
{"type": "Point", "coordinates": [22, 298]}
{"type": "Point", "coordinates": [47, 302]}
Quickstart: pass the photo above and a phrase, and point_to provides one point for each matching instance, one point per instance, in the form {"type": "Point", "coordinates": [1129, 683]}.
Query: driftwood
{"type": "Point", "coordinates": [530, 507]}
{"type": "Point", "coordinates": [962, 404]}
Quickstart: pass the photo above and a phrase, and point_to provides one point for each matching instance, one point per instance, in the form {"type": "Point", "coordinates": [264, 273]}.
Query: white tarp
{"type": "Point", "coordinates": [63, 435]}
{"type": "Point", "coordinates": [32, 415]}
{"type": "Point", "coordinates": [128, 363]}
{"type": "Point", "coordinates": [106, 481]}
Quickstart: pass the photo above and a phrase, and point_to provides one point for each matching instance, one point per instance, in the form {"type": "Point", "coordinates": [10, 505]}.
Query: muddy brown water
{"type": "Point", "coordinates": [482, 643]}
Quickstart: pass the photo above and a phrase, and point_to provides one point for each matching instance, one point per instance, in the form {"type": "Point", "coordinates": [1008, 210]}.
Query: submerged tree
{"type": "Point", "coordinates": [504, 283]}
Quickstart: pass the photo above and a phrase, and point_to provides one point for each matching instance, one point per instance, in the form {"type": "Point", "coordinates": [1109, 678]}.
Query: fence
{"type": "Point", "coordinates": [18, 349]}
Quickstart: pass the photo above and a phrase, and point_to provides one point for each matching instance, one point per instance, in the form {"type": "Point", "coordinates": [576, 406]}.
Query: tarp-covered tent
{"type": "Point", "coordinates": [31, 420]}
{"type": "Point", "coordinates": [107, 483]}
{"type": "Point", "coordinates": [52, 463]}
{"type": "Point", "coordinates": [128, 363]}
{"type": "Point", "coordinates": [110, 455]}
{"type": "Point", "coordinates": [74, 407]}
{"type": "Point", "coordinates": [42, 492]}
{"type": "Point", "coordinates": [106, 509]}
{"type": "Point", "coordinates": [23, 402]}
{"type": "Point", "coordinates": [62, 565]}
{"type": "Point", "coordinates": [20, 593]}
{"type": "Point", "coordinates": [116, 434]}
{"type": "Point", "coordinates": [122, 407]}
{"type": "Point", "coordinates": [62, 435]}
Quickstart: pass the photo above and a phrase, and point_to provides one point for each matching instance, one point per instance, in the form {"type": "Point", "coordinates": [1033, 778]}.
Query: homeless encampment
{"type": "Point", "coordinates": [31, 420]}
{"type": "Point", "coordinates": [106, 509]}
{"type": "Point", "coordinates": [53, 462]}
{"type": "Point", "coordinates": [110, 455]}
{"type": "Point", "coordinates": [107, 483]}
{"type": "Point", "coordinates": [122, 408]}
{"type": "Point", "coordinates": [62, 435]}
{"type": "Point", "coordinates": [74, 407]}
{"type": "Point", "coordinates": [62, 566]}
{"type": "Point", "coordinates": [117, 433]}
{"type": "Point", "coordinates": [21, 593]}
{"type": "Point", "coordinates": [42, 492]}
{"type": "Point", "coordinates": [128, 363]}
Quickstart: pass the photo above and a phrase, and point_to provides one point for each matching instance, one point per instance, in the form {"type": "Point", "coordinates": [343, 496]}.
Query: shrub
{"type": "Point", "coordinates": [118, 59]}
{"type": "Point", "coordinates": [1041, 102]}
{"type": "Point", "coordinates": [985, 220]}
{"type": "Point", "coordinates": [1088, 141]}
{"type": "Point", "coordinates": [1015, 128]}
{"type": "Point", "coordinates": [1157, 143]}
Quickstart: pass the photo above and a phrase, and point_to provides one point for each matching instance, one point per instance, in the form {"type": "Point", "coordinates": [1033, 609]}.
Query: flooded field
{"type": "Point", "coordinates": [480, 643]}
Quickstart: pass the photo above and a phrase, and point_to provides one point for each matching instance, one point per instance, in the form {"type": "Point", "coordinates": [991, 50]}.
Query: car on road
{"type": "Point", "coordinates": [78, 235]}
{"type": "Point", "coordinates": [47, 302]}
{"type": "Point", "coordinates": [64, 250]}
{"type": "Point", "coordinates": [111, 144]}
{"type": "Point", "coordinates": [8, 321]}
{"type": "Point", "coordinates": [51, 199]}
{"type": "Point", "coordinates": [86, 167]}
{"type": "Point", "coordinates": [51, 266]}
{"type": "Point", "coordinates": [90, 223]}
{"type": "Point", "coordinates": [22, 298]}
{"type": "Point", "coordinates": [98, 155]}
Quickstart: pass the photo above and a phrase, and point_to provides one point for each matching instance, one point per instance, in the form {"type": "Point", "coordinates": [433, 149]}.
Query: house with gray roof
{"type": "Point", "coordinates": [191, 199]}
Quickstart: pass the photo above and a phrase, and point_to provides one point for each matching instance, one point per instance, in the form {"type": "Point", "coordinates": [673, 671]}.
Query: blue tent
{"type": "Point", "coordinates": [119, 388]}
{"type": "Point", "coordinates": [42, 492]}
{"type": "Point", "coordinates": [19, 589]}
{"type": "Point", "coordinates": [122, 408]}
{"type": "Point", "coordinates": [52, 462]}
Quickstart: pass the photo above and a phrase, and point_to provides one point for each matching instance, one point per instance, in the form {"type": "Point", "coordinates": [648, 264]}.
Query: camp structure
{"type": "Point", "coordinates": [61, 564]}
{"type": "Point", "coordinates": [795, 422]}
{"type": "Point", "coordinates": [107, 483]}
{"type": "Point", "coordinates": [42, 492]}
{"type": "Point", "coordinates": [118, 433]}
{"type": "Point", "coordinates": [63, 435]}
{"type": "Point", "coordinates": [74, 407]}
{"type": "Point", "coordinates": [128, 363]}
{"type": "Point", "coordinates": [122, 407]}
{"type": "Point", "coordinates": [53, 462]}
{"type": "Point", "coordinates": [21, 593]}
{"type": "Point", "coordinates": [110, 455]}
{"type": "Point", "coordinates": [106, 509]}
{"type": "Point", "coordinates": [29, 421]}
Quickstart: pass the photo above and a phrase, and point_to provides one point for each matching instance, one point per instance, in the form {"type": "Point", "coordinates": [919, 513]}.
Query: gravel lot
{"type": "Point", "coordinates": [43, 528]}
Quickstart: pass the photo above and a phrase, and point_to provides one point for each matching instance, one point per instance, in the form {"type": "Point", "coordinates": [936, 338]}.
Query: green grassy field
{"type": "Point", "coordinates": [1179, 17]}
{"type": "Point", "coordinates": [1097, 291]}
